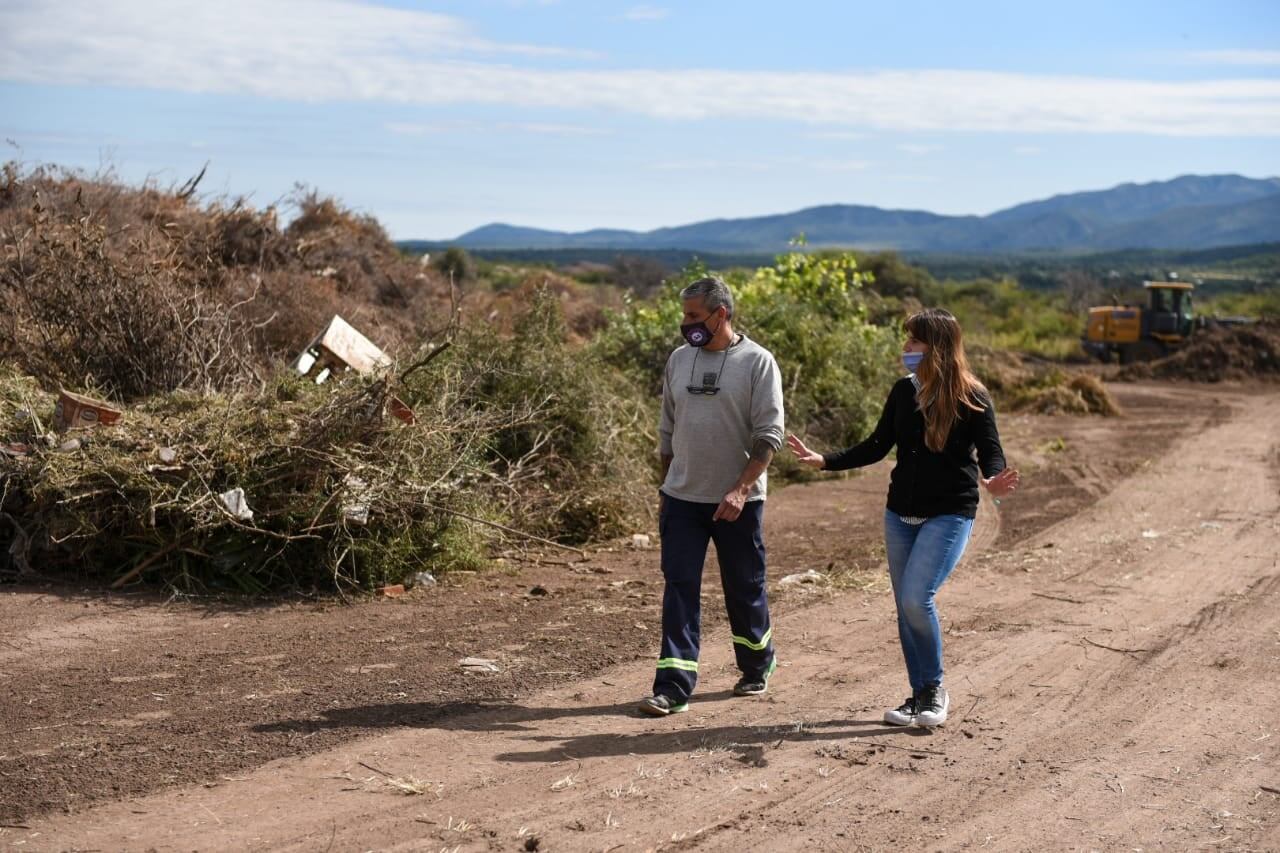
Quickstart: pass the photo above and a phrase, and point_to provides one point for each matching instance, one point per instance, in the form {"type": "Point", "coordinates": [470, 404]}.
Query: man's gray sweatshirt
{"type": "Point", "coordinates": [709, 436]}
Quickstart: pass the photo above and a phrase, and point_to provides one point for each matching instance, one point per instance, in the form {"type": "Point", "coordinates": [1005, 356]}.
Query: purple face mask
{"type": "Point", "coordinates": [697, 334]}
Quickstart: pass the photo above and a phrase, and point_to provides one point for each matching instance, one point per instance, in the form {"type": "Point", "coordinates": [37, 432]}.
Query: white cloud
{"type": "Point", "coordinates": [1237, 57]}
{"type": "Point", "coordinates": [340, 50]}
{"type": "Point", "coordinates": [646, 13]}
{"type": "Point", "coordinates": [275, 42]}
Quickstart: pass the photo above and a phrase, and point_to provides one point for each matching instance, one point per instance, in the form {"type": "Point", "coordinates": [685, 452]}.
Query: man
{"type": "Point", "coordinates": [720, 427]}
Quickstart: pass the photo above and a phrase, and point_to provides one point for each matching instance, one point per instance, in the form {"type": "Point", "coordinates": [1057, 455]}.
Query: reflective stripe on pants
{"type": "Point", "coordinates": [686, 529]}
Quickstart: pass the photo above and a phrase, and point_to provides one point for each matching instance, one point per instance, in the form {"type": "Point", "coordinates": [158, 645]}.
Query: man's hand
{"type": "Point", "coordinates": [731, 507]}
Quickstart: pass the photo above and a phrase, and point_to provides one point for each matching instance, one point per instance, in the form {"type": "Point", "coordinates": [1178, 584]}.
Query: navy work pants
{"type": "Point", "coordinates": [686, 528]}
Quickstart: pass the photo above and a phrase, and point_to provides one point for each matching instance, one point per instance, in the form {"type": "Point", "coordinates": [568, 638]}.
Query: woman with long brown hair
{"type": "Point", "coordinates": [943, 423]}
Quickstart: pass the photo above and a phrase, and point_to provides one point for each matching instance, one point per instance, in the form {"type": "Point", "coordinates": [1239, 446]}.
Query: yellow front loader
{"type": "Point", "coordinates": [1135, 333]}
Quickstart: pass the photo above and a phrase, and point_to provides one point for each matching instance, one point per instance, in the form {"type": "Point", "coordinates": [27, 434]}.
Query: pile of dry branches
{"type": "Point", "coordinates": [227, 471]}
{"type": "Point", "coordinates": [143, 290]}
{"type": "Point", "coordinates": [292, 486]}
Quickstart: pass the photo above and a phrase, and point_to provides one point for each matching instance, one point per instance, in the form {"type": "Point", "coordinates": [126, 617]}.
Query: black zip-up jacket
{"type": "Point", "coordinates": [924, 483]}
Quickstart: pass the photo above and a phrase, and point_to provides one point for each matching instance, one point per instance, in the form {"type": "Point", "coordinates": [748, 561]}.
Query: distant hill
{"type": "Point", "coordinates": [1190, 212]}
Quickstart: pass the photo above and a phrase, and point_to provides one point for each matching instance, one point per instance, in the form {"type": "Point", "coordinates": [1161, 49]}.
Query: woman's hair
{"type": "Point", "coordinates": [946, 382]}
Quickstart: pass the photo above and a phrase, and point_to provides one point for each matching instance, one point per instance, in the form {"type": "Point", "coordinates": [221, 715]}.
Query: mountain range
{"type": "Point", "coordinates": [1188, 212]}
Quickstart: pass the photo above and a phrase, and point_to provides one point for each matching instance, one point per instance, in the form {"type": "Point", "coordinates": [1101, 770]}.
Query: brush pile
{"type": "Point", "coordinates": [296, 486]}
{"type": "Point", "coordinates": [1059, 393]}
{"type": "Point", "coordinates": [147, 290]}
{"type": "Point", "coordinates": [227, 471]}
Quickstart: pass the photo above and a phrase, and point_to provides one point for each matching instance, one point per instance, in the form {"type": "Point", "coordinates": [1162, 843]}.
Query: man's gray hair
{"type": "Point", "coordinates": [714, 293]}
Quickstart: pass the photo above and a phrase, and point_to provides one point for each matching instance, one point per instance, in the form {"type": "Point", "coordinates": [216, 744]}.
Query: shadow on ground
{"type": "Point", "coordinates": [507, 717]}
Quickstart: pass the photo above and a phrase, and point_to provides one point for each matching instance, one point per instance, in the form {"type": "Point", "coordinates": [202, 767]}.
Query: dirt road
{"type": "Point", "coordinates": [1113, 645]}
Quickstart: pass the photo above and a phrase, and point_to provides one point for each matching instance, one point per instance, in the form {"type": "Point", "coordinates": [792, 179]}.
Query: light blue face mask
{"type": "Point", "coordinates": [911, 360]}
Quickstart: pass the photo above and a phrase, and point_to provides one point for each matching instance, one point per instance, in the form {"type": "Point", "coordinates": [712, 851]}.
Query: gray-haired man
{"type": "Point", "coordinates": [721, 424]}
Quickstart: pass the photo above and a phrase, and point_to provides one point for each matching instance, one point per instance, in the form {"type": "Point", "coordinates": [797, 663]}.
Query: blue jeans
{"type": "Point", "coordinates": [920, 558]}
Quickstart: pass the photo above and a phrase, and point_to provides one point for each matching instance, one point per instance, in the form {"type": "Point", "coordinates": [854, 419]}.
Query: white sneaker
{"type": "Point", "coordinates": [904, 714]}
{"type": "Point", "coordinates": [932, 705]}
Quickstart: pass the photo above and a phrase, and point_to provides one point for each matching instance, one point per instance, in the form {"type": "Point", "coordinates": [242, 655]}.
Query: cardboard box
{"type": "Point", "coordinates": [340, 347]}
{"type": "Point", "coordinates": [76, 411]}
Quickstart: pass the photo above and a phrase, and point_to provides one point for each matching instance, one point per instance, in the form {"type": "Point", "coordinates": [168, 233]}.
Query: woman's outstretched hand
{"type": "Point", "coordinates": [804, 455]}
{"type": "Point", "coordinates": [1003, 483]}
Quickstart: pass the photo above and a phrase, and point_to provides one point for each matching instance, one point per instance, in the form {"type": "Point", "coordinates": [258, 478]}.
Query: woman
{"type": "Point", "coordinates": [937, 416]}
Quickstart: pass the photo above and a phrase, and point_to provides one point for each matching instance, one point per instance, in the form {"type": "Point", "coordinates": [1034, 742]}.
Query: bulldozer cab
{"type": "Point", "coordinates": [1169, 317]}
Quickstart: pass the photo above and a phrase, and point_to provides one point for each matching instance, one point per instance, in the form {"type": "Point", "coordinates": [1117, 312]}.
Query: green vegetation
{"type": "Point", "coordinates": [811, 312]}
{"type": "Point", "coordinates": [534, 394]}
{"type": "Point", "coordinates": [187, 315]}
{"type": "Point", "coordinates": [1260, 303]}
{"type": "Point", "coordinates": [1002, 316]}
{"type": "Point", "coordinates": [520, 432]}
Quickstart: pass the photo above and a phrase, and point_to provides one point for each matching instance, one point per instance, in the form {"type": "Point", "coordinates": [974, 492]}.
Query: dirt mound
{"type": "Point", "coordinates": [1216, 354]}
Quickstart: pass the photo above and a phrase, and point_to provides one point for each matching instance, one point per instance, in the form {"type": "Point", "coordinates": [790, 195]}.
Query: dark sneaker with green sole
{"type": "Point", "coordinates": [755, 686]}
{"type": "Point", "coordinates": [662, 706]}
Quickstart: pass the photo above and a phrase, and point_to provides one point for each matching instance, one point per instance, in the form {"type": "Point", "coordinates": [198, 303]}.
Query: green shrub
{"type": "Point", "coordinates": [1001, 315]}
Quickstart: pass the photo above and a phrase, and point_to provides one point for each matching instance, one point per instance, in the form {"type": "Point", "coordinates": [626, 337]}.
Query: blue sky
{"type": "Point", "coordinates": [439, 117]}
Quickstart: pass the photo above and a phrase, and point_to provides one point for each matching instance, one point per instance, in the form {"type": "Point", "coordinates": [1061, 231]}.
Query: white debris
{"type": "Point", "coordinates": [1150, 534]}
{"type": "Point", "coordinates": [809, 576]}
{"type": "Point", "coordinates": [237, 504]}
{"type": "Point", "coordinates": [478, 665]}
{"type": "Point", "coordinates": [423, 579]}
{"type": "Point", "coordinates": [167, 455]}
{"type": "Point", "coordinates": [355, 506]}
{"type": "Point", "coordinates": [641, 542]}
